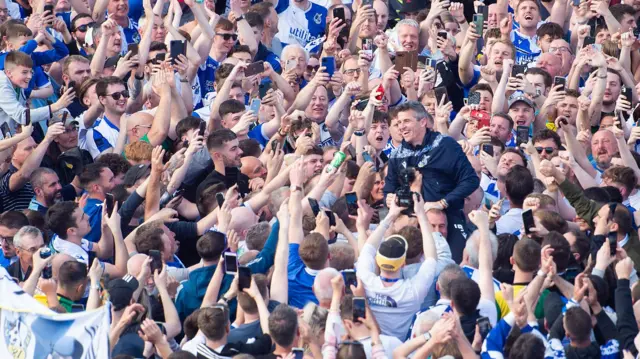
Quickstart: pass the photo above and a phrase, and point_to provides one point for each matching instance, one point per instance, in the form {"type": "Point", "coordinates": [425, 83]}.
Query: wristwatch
{"type": "Point", "coordinates": [296, 188]}
{"type": "Point", "coordinates": [97, 287]}
{"type": "Point", "coordinates": [426, 336]}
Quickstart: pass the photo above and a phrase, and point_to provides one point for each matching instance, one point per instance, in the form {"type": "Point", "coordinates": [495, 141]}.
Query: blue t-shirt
{"type": "Point", "coordinates": [207, 75]}
{"type": "Point", "coordinates": [300, 279]}
{"type": "Point", "coordinates": [256, 134]}
{"type": "Point", "coordinates": [93, 209]}
{"type": "Point", "coordinates": [131, 33]}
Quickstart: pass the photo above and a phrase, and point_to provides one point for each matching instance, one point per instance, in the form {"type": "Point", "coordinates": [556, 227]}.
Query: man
{"type": "Point", "coordinates": [382, 13]}
{"type": "Point", "coordinates": [603, 147]}
{"type": "Point", "coordinates": [79, 26]}
{"type": "Point", "coordinates": [225, 153]}
{"type": "Point", "coordinates": [97, 180]}
{"type": "Point", "coordinates": [378, 135]}
{"type": "Point", "coordinates": [547, 143]}
{"type": "Point", "coordinates": [448, 177]}
{"type": "Point", "coordinates": [626, 15]}
{"type": "Point", "coordinates": [47, 188]}
{"type": "Point", "coordinates": [252, 167]}
{"type": "Point", "coordinates": [551, 63]}
{"type": "Point", "coordinates": [496, 14]}
{"type": "Point", "coordinates": [10, 223]}
{"type": "Point", "coordinates": [258, 26]}
{"type": "Point", "coordinates": [301, 22]}
{"type": "Point", "coordinates": [524, 38]}
{"type": "Point", "coordinates": [28, 240]}
{"type": "Point", "coordinates": [521, 109]}
{"type": "Point", "coordinates": [322, 288]}
{"type": "Point", "coordinates": [562, 49]}
{"type": "Point", "coordinates": [223, 41]}
{"type": "Point", "coordinates": [236, 118]}
{"type": "Point", "coordinates": [408, 34]}
{"type": "Point", "coordinates": [622, 178]}
{"type": "Point", "coordinates": [119, 11]}
{"type": "Point", "coordinates": [251, 328]}
{"type": "Point", "coordinates": [394, 300]}
{"type": "Point", "coordinates": [68, 290]}
{"type": "Point", "coordinates": [16, 191]}
{"type": "Point", "coordinates": [113, 95]}
{"type": "Point", "coordinates": [501, 127]}
{"type": "Point", "coordinates": [518, 185]}
{"type": "Point", "coordinates": [76, 69]}
{"type": "Point", "coordinates": [495, 188]}
{"type": "Point", "coordinates": [468, 71]}
{"type": "Point", "coordinates": [268, 14]}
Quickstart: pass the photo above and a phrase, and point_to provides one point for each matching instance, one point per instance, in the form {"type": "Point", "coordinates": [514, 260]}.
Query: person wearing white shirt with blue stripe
{"type": "Point", "coordinates": [301, 22]}
{"type": "Point", "coordinates": [518, 185]}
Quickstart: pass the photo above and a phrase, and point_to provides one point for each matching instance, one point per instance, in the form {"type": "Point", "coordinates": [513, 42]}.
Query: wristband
{"type": "Point", "coordinates": [541, 273]}
{"type": "Point", "coordinates": [184, 81]}
{"type": "Point", "coordinates": [358, 133]}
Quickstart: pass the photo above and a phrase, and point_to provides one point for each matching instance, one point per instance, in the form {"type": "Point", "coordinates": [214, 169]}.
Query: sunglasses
{"type": "Point", "coordinates": [83, 28]}
{"type": "Point", "coordinates": [116, 95]}
{"type": "Point", "coordinates": [226, 37]}
{"type": "Point", "coordinates": [313, 68]}
{"type": "Point", "coordinates": [548, 150]}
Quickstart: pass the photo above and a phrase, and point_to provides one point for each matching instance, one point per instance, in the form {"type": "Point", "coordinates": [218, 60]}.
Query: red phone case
{"type": "Point", "coordinates": [482, 117]}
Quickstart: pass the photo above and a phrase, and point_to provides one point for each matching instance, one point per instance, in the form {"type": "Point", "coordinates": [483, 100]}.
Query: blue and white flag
{"type": "Point", "coordinates": [30, 330]}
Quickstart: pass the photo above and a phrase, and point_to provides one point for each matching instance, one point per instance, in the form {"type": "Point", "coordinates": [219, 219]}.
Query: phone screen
{"type": "Point", "coordinates": [244, 277]}
{"type": "Point", "coordinates": [527, 219]}
{"type": "Point", "coordinates": [220, 199]}
{"type": "Point", "coordinates": [441, 93]}
{"type": "Point", "coordinates": [156, 260]}
{"type": "Point", "coordinates": [315, 208]}
{"type": "Point", "coordinates": [255, 106]}
{"type": "Point", "coordinates": [202, 128]}
{"type": "Point", "coordinates": [298, 353]}
{"type": "Point", "coordinates": [522, 135]}
{"type": "Point", "coordinates": [352, 203]}
{"type": "Point", "coordinates": [332, 219]}
{"type": "Point", "coordinates": [484, 326]}
{"type": "Point", "coordinates": [359, 309]}
{"type": "Point", "coordinates": [231, 263]}
{"type": "Point", "coordinates": [110, 203]}
{"type": "Point", "coordinates": [350, 279]}
{"type": "Point", "coordinates": [133, 48]}
{"type": "Point", "coordinates": [488, 148]}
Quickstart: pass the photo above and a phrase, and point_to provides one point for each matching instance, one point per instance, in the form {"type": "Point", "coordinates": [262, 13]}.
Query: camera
{"type": "Point", "coordinates": [404, 196]}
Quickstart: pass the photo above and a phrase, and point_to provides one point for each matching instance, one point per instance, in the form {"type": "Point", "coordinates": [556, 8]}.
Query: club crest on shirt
{"type": "Point", "coordinates": [317, 18]}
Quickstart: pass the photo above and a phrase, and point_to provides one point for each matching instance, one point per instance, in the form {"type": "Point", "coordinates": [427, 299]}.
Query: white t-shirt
{"type": "Point", "coordinates": [486, 308]}
{"type": "Point", "coordinates": [79, 252]}
{"type": "Point", "coordinates": [510, 222]}
{"type": "Point", "coordinates": [394, 306]}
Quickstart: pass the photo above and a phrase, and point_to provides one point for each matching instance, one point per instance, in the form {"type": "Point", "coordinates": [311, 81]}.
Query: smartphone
{"type": "Point", "coordinates": [71, 85]}
{"type": "Point", "coordinates": [441, 92]}
{"type": "Point", "coordinates": [47, 272]}
{"type": "Point", "coordinates": [488, 204]}
{"type": "Point", "coordinates": [367, 46]}
{"type": "Point", "coordinates": [110, 203]}
{"type": "Point", "coordinates": [329, 63]}
{"type": "Point", "coordinates": [613, 243]}
{"type": "Point", "coordinates": [263, 89]}
{"type": "Point", "coordinates": [401, 61]}
{"type": "Point", "coordinates": [560, 81]}
{"type": "Point", "coordinates": [367, 157]}
{"type": "Point", "coordinates": [349, 276]}
{"type": "Point", "coordinates": [176, 48]}
{"type": "Point", "coordinates": [626, 92]}
{"type": "Point", "coordinates": [478, 19]}
{"type": "Point", "coordinates": [362, 104]}
{"type": "Point", "coordinates": [481, 9]}
{"type": "Point", "coordinates": [527, 220]}
{"type": "Point", "coordinates": [339, 13]}
{"type": "Point", "coordinates": [220, 199]}
{"type": "Point", "coordinates": [488, 148]}
{"type": "Point", "coordinates": [298, 353]}
{"type": "Point", "coordinates": [315, 207]}
{"type": "Point", "coordinates": [255, 106]}
{"type": "Point", "coordinates": [254, 68]}
{"type": "Point", "coordinates": [291, 64]}
{"type": "Point", "coordinates": [474, 98]}
{"type": "Point", "coordinates": [522, 135]}
{"type": "Point", "coordinates": [244, 277]}
{"type": "Point", "coordinates": [332, 219]}
{"type": "Point", "coordinates": [423, 60]}
{"type": "Point", "coordinates": [367, 2]}
{"type": "Point", "coordinates": [133, 49]}
{"type": "Point", "coordinates": [352, 203]}
{"type": "Point", "coordinates": [6, 131]}
{"type": "Point", "coordinates": [49, 8]}
{"type": "Point", "coordinates": [433, 63]}
{"type": "Point", "coordinates": [230, 263]}
{"type": "Point", "coordinates": [484, 325]}
{"type": "Point", "coordinates": [359, 309]}
{"type": "Point", "coordinates": [562, 121]}
{"type": "Point", "coordinates": [274, 146]}
{"type": "Point", "coordinates": [518, 69]}
{"type": "Point", "coordinates": [442, 34]}
{"type": "Point", "coordinates": [27, 117]}
{"type": "Point", "coordinates": [202, 127]}
{"type": "Point", "coordinates": [589, 40]}
{"type": "Point", "coordinates": [156, 260]}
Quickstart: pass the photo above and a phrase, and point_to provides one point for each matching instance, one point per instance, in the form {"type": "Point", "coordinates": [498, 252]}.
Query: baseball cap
{"type": "Point", "coordinates": [519, 96]}
{"type": "Point", "coordinates": [121, 291]}
{"type": "Point", "coordinates": [60, 115]}
{"type": "Point", "coordinates": [135, 173]}
{"type": "Point", "coordinates": [112, 61]}
{"type": "Point", "coordinates": [391, 253]}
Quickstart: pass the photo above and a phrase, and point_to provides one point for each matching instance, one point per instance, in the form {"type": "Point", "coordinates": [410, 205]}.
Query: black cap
{"type": "Point", "coordinates": [112, 61]}
{"type": "Point", "coordinates": [393, 247]}
{"type": "Point", "coordinates": [121, 291]}
{"type": "Point", "coordinates": [135, 173]}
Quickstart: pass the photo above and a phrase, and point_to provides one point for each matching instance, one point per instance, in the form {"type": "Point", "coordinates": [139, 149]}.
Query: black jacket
{"type": "Point", "coordinates": [232, 176]}
{"type": "Point", "coordinates": [446, 171]}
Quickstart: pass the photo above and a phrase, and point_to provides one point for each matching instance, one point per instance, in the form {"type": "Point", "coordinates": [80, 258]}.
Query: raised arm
{"type": "Point", "coordinates": [296, 176]}
{"type": "Point", "coordinates": [485, 258]}
{"type": "Point", "coordinates": [20, 178]}
{"type": "Point", "coordinates": [279, 279]}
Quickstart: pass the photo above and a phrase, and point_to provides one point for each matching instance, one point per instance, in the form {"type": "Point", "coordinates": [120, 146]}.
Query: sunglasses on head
{"type": "Point", "coordinates": [116, 95]}
{"type": "Point", "coordinates": [226, 37]}
{"type": "Point", "coordinates": [548, 150]}
{"type": "Point", "coordinates": [83, 28]}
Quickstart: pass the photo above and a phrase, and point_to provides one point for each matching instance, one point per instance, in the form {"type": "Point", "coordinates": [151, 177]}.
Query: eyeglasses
{"type": "Point", "coordinates": [548, 150]}
{"type": "Point", "coordinates": [71, 129]}
{"type": "Point", "coordinates": [83, 28]}
{"type": "Point", "coordinates": [4, 10]}
{"type": "Point", "coordinates": [32, 249]}
{"type": "Point", "coordinates": [352, 71]}
{"type": "Point", "coordinates": [7, 240]}
{"type": "Point", "coordinates": [560, 49]}
{"type": "Point", "coordinates": [116, 95]}
{"type": "Point", "coordinates": [226, 37]}
{"type": "Point", "coordinates": [311, 68]}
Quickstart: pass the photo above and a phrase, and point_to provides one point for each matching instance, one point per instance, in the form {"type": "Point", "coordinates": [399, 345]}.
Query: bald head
{"type": "Point", "coordinates": [138, 125]}
{"type": "Point", "coordinates": [242, 218]}
{"type": "Point", "coordinates": [252, 167]}
{"type": "Point", "coordinates": [322, 284]}
{"type": "Point", "coordinates": [134, 264]}
{"type": "Point", "coordinates": [551, 63]}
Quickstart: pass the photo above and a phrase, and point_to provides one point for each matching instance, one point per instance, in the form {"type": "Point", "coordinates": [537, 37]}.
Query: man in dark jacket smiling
{"type": "Point", "coordinates": [447, 175]}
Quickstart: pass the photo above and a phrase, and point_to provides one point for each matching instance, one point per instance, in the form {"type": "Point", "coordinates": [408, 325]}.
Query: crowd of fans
{"type": "Point", "coordinates": [327, 178]}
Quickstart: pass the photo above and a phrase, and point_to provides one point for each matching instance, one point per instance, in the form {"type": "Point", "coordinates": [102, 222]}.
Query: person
{"type": "Point", "coordinates": [28, 240]}
{"type": "Point", "coordinates": [438, 192]}
{"type": "Point", "coordinates": [98, 181]}
{"type": "Point", "coordinates": [47, 188]}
